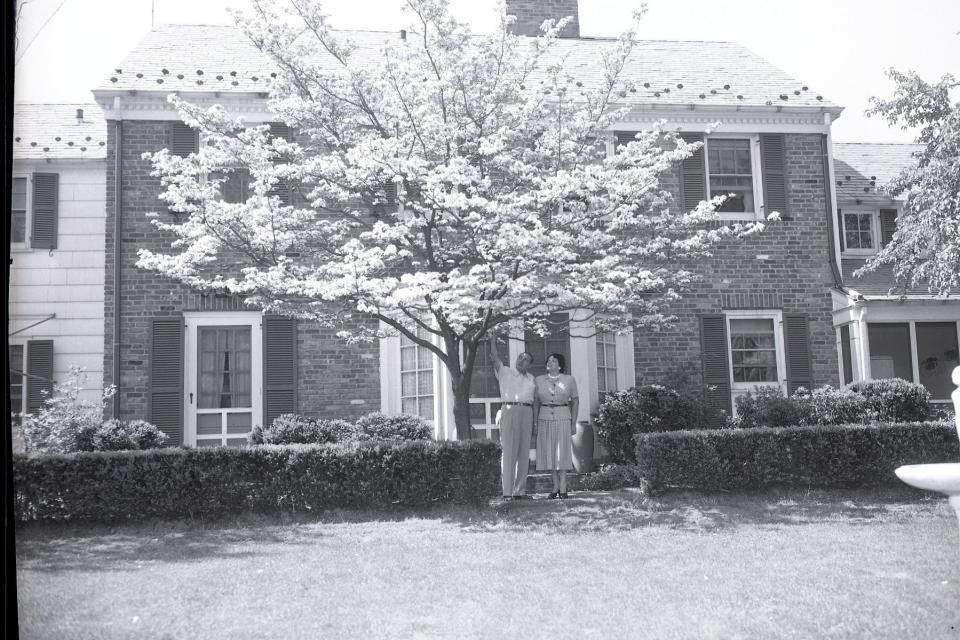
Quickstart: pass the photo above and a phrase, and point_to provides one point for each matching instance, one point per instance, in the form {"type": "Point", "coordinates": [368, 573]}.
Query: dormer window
{"type": "Point", "coordinates": [859, 230]}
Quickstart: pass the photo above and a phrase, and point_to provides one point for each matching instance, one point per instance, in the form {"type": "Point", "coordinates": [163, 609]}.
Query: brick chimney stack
{"type": "Point", "coordinates": [530, 15]}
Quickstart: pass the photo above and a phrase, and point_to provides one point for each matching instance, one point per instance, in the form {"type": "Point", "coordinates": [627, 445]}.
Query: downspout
{"type": "Point", "coordinates": [117, 229]}
{"type": "Point", "coordinates": [830, 202]}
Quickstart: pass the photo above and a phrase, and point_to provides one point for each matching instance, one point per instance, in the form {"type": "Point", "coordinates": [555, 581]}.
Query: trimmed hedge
{"type": "Point", "coordinates": [829, 456]}
{"type": "Point", "coordinates": [211, 482]}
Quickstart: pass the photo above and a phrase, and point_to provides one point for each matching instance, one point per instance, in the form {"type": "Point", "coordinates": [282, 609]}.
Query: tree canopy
{"type": "Point", "coordinates": [925, 249]}
{"type": "Point", "coordinates": [446, 184]}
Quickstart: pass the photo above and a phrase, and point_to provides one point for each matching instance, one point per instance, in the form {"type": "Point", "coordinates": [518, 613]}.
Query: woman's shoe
{"type": "Point", "coordinates": [553, 495]}
{"type": "Point", "coordinates": [563, 495]}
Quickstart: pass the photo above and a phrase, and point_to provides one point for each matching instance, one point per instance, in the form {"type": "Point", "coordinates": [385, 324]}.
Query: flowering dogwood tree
{"type": "Point", "coordinates": [507, 204]}
{"type": "Point", "coordinates": [925, 249]}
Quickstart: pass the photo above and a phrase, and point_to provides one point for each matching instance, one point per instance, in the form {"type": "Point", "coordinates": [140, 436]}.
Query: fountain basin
{"type": "Point", "coordinates": [943, 477]}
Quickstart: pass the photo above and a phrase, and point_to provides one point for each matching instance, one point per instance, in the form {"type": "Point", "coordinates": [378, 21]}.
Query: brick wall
{"type": "Point", "coordinates": [530, 15]}
{"type": "Point", "coordinates": [334, 379]}
{"type": "Point", "coordinates": [795, 278]}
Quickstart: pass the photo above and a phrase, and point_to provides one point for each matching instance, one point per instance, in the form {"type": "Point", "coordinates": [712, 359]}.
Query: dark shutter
{"type": "Point", "coordinates": [846, 354]}
{"type": "Point", "coordinates": [165, 409]}
{"type": "Point", "coordinates": [625, 137]}
{"type": "Point", "coordinates": [888, 225]}
{"type": "Point", "coordinates": [282, 189]}
{"type": "Point", "coordinates": [279, 367]}
{"type": "Point", "coordinates": [797, 330]}
{"type": "Point", "coordinates": [39, 373]}
{"type": "Point", "coordinates": [693, 175]}
{"type": "Point", "coordinates": [716, 362]}
{"type": "Point", "coordinates": [773, 152]}
{"type": "Point", "coordinates": [840, 229]}
{"type": "Point", "coordinates": [184, 140]}
{"type": "Point", "coordinates": [46, 198]}
{"type": "Point", "coordinates": [281, 130]}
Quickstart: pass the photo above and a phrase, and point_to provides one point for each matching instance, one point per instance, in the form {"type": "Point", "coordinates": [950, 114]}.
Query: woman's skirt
{"type": "Point", "coordinates": [554, 448]}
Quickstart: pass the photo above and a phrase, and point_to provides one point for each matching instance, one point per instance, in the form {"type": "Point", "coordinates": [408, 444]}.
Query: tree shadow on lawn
{"type": "Point", "coordinates": [98, 547]}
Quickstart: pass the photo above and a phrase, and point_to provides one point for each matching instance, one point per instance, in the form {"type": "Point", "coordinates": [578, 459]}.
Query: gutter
{"type": "Point", "coordinates": [830, 204]}
{"type": "Point", "coordinates": [117, 229]}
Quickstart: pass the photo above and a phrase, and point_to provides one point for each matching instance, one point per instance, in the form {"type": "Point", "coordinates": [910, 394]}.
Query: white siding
{"type": "Point", "coordinates": [67, 281]}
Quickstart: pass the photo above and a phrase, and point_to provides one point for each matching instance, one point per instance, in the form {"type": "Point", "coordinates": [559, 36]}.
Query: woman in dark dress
{"type": "Point", "coordinates": [555, 406]}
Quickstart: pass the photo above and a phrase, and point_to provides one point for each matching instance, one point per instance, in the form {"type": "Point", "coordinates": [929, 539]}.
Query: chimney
{"type": "Point", "coordinates": [79, 115]}
{"type": "Point", "coordinates": [530, 14]}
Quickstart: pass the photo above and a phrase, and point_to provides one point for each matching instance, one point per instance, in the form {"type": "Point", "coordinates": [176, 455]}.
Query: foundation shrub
{"type": "Point", "coordinates": [805, 456]}
{"type": "Point", "coordinates": [614, 476]}
{"type": "Point", "coordinates": [380, 426]}
{"type": "Point", "coordinates": [215, 481]}
{"type": "Point", "coordinates": [895, 399]}
{"type": "Point", "coordinates": [117, 435]}
{"type": "Point", "coordinates": [644, 409]}
{"type": "Point", "coordinates": [290, 428]}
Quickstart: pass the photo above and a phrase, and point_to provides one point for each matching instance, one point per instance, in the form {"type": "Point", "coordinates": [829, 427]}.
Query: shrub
{"type": "Point", "coordinates": [290, 428]}
{"type": "Point", "coordinates": [213, 481]}
{"type": "Point", "coordinates": [54, 427]}
{"type": "Point", "coordinates": [380, 426]}
{"type": "Point", "coordinates": [614, 476]}
{"type": "Point", "coordinates": [766, 407]}
{"type": "Point", "coordinates": [832, 406]}
{"type": "Point", "coordinates": [643, 409]}
{"type": "Point", "coordinates": [830, 456]}
{"type": "Point", "coordinates": [895, 399]}
{"type": "Point", "coordinates": [116, 435]}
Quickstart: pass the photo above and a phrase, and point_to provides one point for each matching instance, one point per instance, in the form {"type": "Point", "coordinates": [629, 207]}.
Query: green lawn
{"type": "Point", "coordinates": [787, 564]}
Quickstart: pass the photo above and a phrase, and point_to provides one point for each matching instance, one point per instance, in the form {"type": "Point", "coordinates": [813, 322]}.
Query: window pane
{"type": "Point", "coordinates": [425, 408]}
{"type": "Point", "coordinates": [408, 384]}
{"type": "Point", "coordinates": [937, 356]}
{"type": "Point", "coordinates": [890, 351]}
{"type": "Point", "coordinates": [753, 350]}
{"type": "Point", "coordinates": [16, 380]}
{"type": "Point", "coordinates": [483, 384]}
{"type": "Point", "coordinates": [408, 358]}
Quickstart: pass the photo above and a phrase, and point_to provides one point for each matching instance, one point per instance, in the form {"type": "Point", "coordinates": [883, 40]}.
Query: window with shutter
{"type": "Point", "coordinates": [39, 373]}
{"type": "Point", "coordinates": [46, 200]}
{"type": "Point", "coordinates": [16, 380]}
{"type": "Point", "coordinates": [282, 189]}
{"type": "Point", "coordinates": [888, 225]}
{"type": "Point", "coordinates": [754, 344]}
{"type": "Point", "coordinates": [773, 149]}
{"type": "Point", "coordinates": [799, 365]}
{"type": "Point", "coordinates": [716, 365]}
{"type": "Point", "coordinates": [18, 211]}
{"type": "Point", "coordinates": [184, 140]}
{"type": "Point", "coordinates": [165, 408]}
{"type": "Point", "coordinates": [693, 175]}
{"type": "Point", "coordinates": [279, 367]}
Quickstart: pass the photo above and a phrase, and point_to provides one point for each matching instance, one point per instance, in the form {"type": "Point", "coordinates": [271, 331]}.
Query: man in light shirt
{"type": "Point", "coordinates": [515, 420]}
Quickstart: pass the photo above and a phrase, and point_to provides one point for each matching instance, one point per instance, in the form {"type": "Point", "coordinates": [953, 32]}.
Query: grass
{"type": "Point", "coordinates": [780, 564]}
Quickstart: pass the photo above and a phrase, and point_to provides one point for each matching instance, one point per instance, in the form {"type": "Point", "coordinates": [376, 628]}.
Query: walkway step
{"type": "Point", "coordinates": [541, 482]}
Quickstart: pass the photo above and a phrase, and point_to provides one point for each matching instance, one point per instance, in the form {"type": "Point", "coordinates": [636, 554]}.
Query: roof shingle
{"type": "Point", "coordinates": [725, 74]}
{"type": "Point", "coordinates": [53, 131]}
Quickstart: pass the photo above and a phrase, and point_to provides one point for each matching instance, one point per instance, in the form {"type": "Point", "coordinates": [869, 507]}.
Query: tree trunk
{"type": "Point", "coordinates": [461, 406]}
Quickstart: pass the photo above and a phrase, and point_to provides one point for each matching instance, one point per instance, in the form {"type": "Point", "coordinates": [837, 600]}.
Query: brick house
{"type": "Point", "coordinates": [885, 330]}
{"type": "Point", "coordinates": [765, 315]}
{"type": "Point", "coordinates": [55, 295]}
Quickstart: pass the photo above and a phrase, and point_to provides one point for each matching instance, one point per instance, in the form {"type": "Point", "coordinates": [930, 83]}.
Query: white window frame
{"type": "Point", "coordinates": [755, 167]}
{"type": "Point", "coordinates": [874, 231]}
{"type": "Point", "coordinates": [28, 203]}
{"type": "Point", "coordinates": [914, 352]}
{"type": "Point", "coordinates": [23, 367]}
{"type": "Point", "coordinates": [417, 371]}
{"type": "Point", "coordinates": [193, 321]}
{"type": "Point", "coordinates": [776, 315]}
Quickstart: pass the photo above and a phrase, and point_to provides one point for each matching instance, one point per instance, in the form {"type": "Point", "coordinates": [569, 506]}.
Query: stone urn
{"type": "Point", "coordinates": [943, 477]}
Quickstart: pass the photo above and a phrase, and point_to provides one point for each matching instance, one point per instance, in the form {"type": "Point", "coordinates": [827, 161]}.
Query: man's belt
{"type": "Point", "coordinates": [555, 405]}
{"type": "Point", "coordinates": [518, 404]}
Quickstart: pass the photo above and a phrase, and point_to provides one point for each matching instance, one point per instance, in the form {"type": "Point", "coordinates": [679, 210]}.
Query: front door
{"type": "Point", "coordinates": [223, 378]}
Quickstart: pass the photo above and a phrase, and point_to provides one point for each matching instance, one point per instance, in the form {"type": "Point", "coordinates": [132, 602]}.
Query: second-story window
{"type": "Point", "coordinates": [858, 231]}
{"type": "Point", "coordinates": [18, 210]}
{"type": "Point", "coordinates": [731, 173]}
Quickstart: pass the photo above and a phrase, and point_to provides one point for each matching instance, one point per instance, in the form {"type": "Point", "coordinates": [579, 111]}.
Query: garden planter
{"type": "Point", "coordinates": [583, 447]}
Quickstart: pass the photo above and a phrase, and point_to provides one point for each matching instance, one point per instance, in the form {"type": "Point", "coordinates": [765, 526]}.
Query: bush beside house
{"type": "Point", "coordinates": [214, 481]}
{"type": "Point", "coordinates": [815, 456]}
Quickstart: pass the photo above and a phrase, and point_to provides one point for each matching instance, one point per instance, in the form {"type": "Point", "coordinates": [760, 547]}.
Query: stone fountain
{"type": "Point", "coordinates": [943, 477]}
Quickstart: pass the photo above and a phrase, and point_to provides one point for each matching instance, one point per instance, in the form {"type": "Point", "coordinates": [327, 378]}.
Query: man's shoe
{"type": "Point", "coordinates": [564, 495]}
{"type": "Point", "coordinates": [553, 495]}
